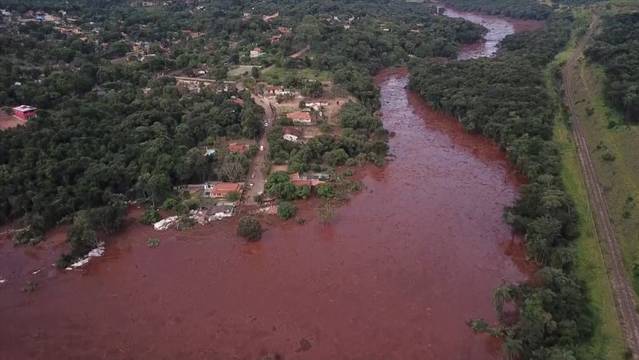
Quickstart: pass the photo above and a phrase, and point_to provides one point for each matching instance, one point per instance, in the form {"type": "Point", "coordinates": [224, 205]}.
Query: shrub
{"type": "Point", "coordinates": [233, 196]}
{"type": "Point", "coordinates": [153, 243]}
{"type": "Point", "coordinates": [286, 210]}
{"type": "Point", "coordinates": [325, 191]}
{"type": "Point", "coordinates": [151, 216]}
{"type": "Point", "coordinates": [249, 228]}
{"type": "Point", "coordinates": [169, 203]}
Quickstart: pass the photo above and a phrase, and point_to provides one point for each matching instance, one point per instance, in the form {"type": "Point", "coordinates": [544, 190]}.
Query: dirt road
{"type": "Point", "coordinates": [625, 301]}
{"type": "Point", "coordinates": [257, 177]}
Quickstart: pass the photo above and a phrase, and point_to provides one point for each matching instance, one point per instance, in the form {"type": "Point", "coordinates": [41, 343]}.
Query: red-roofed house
{"type": "Point", "coordinates": [300, 117]}
{"type": "Point", "coordinates": [24, 112]}
{"type": "Point", "coordinates": [298, 180]}
{"type": "Point", "coordinates": [223, 189]}
{"type": "Point", "coordinates": [236, 148]}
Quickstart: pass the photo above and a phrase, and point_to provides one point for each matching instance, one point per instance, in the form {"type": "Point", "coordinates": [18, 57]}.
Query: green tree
{"type": "Point", "coordinates": [250, 228]}
{"type": "Point", "coordinates": [286, 210]}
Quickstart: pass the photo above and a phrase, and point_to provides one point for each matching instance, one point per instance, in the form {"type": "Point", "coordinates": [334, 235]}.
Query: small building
{"type": "Point", "coordinates": [237, 148]}
{"type": "Point", "coordinates": [292, 134]}
{"type": "Point", "coordinates": [283, 30]}
{"type": "Point", "coordinates": [256, 53]}
{"type": "Point", "coordinates": [302, 117]}
{"type": "Point", "coordinates": [209, 151]}
{"type": "Point", "coordinates": [222, 189]}
{"type": "Point", "coordinates": [275, 39]}
{"type": "Point", "coordinates": [317, 106]}
{"type": "Point", "coordinates": [269, 18]}
{"type": "Point", "coordinates": [301, 180]}
{"type": "Point", "coordinates": [24, 112]}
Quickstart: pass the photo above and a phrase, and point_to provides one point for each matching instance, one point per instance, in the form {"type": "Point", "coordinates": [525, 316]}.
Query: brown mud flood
{"type": "Point", "coordinates": [395, 275]}
{"type": "Point", "coordinates": [498, 28]}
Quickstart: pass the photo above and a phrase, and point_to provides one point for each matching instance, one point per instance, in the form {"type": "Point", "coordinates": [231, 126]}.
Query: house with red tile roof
{"type": "Point", "coordinates": [24, 112]}
{"type": "Point", "coordinates": [223, 189]}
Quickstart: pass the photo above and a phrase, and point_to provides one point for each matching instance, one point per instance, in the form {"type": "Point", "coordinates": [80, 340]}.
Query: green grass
{"type": "Point", "coordinates": [276, 75]}
{"type": "Point", "coordinates": [607, 341]}
{"type": "Point", "coordinates": [619, 178]}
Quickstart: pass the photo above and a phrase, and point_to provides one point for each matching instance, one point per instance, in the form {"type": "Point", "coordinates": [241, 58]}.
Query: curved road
{"type": "Point", "coordinates": [623, 292]}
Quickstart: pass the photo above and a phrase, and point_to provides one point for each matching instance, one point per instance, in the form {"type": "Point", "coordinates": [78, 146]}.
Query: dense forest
{"type": "Point", "coordinates": [505, 99]}
{"type": "Point", "coordinates": [616, 49]}
{"type": "Point", "coordinates": [113, 126]}
{"type": "Point", "coordinates": [522, 9]}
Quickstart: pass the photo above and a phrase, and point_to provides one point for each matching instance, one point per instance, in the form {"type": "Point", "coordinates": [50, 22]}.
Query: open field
{"type": "Point", "coordinates": [607, 135]}
{"type": "Point", "coordinates": [276, 75]}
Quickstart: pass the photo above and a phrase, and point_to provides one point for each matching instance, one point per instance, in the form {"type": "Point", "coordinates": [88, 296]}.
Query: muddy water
{"type": "Point", "coordinates": [394, 276]}
{"type": "Point", "coordinates": [498, 28]}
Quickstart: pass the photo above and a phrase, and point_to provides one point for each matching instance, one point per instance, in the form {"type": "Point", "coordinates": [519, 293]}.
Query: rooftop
{"type": "Point", "coordinates": [24, 108]}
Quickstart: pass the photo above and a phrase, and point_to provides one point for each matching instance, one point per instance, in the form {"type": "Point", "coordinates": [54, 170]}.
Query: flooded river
{"type": "Point", "coordinates": [396, 274]}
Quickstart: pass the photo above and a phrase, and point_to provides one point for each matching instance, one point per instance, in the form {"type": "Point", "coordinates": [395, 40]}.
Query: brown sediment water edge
{"type": "Point", "coordinates": [498, 27]}
{"type": "Point", "coordinates": [396, 274]}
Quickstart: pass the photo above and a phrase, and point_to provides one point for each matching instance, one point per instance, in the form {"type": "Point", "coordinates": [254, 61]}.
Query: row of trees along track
{"type": "Point", "coordinates": [623, 293]}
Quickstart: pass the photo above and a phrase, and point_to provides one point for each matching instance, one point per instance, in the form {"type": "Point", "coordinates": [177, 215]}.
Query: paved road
{"type": "Point", "coordinates": [257, 177]}
{"type": "Point", "coordinates": [623, 292]}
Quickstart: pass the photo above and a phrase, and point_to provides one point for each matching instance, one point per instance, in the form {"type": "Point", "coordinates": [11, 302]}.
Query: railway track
{"type": "Point", "coordinates": [624, 297]}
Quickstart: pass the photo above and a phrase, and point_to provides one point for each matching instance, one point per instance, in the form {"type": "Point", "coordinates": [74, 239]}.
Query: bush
{"type": "Point", "coordinates": [153, 243]}
{"type": "Point", "coordinates": [286, 210]}
{"type": "Point", "coordinates": [233, 196]}
{"type": "Point", "coordinates": [169, 203]}
{"type": "Point", "coordinates": [325, 191]}
{"type": "Point", "coordinates": [249, 228]}
{"type": "Point", "coordinates": [151, 216]}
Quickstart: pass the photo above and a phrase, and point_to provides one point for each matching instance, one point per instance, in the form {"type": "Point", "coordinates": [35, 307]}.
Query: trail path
{"type": "Point", "coordinates": [625, 301]}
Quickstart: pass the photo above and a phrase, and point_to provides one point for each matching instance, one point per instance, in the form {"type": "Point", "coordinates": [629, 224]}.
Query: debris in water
{"type": "Point", "coordinates": [97, 252]}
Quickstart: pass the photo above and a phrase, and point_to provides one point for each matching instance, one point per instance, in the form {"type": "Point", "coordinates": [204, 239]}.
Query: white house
{"type": "Point", "coordinates": [255, 53]}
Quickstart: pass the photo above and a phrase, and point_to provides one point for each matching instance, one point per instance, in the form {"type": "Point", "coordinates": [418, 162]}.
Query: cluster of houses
{"type": "Point", "coordinates": [196, 85]}
{"type": "Point", "coordinates": [282, 31]}
{"type": "Point", "coordinates": [218, 198]}
{"type": "Point", "coordinates": [233, 148]}
{"type": "Point", "coordinates": [335, 20]}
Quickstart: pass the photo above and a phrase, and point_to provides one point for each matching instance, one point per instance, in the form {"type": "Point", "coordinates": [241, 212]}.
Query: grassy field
{"type": "Point", "coordinates": [607, 342]}
{"type": "Point", "coordinates": [614, 148]}
{"type": "Point", "coordinates": [276, 75]}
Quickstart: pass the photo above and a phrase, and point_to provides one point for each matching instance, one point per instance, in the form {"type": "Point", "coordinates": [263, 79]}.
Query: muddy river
{"type": "Point", "coordinates": [396, 274]}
